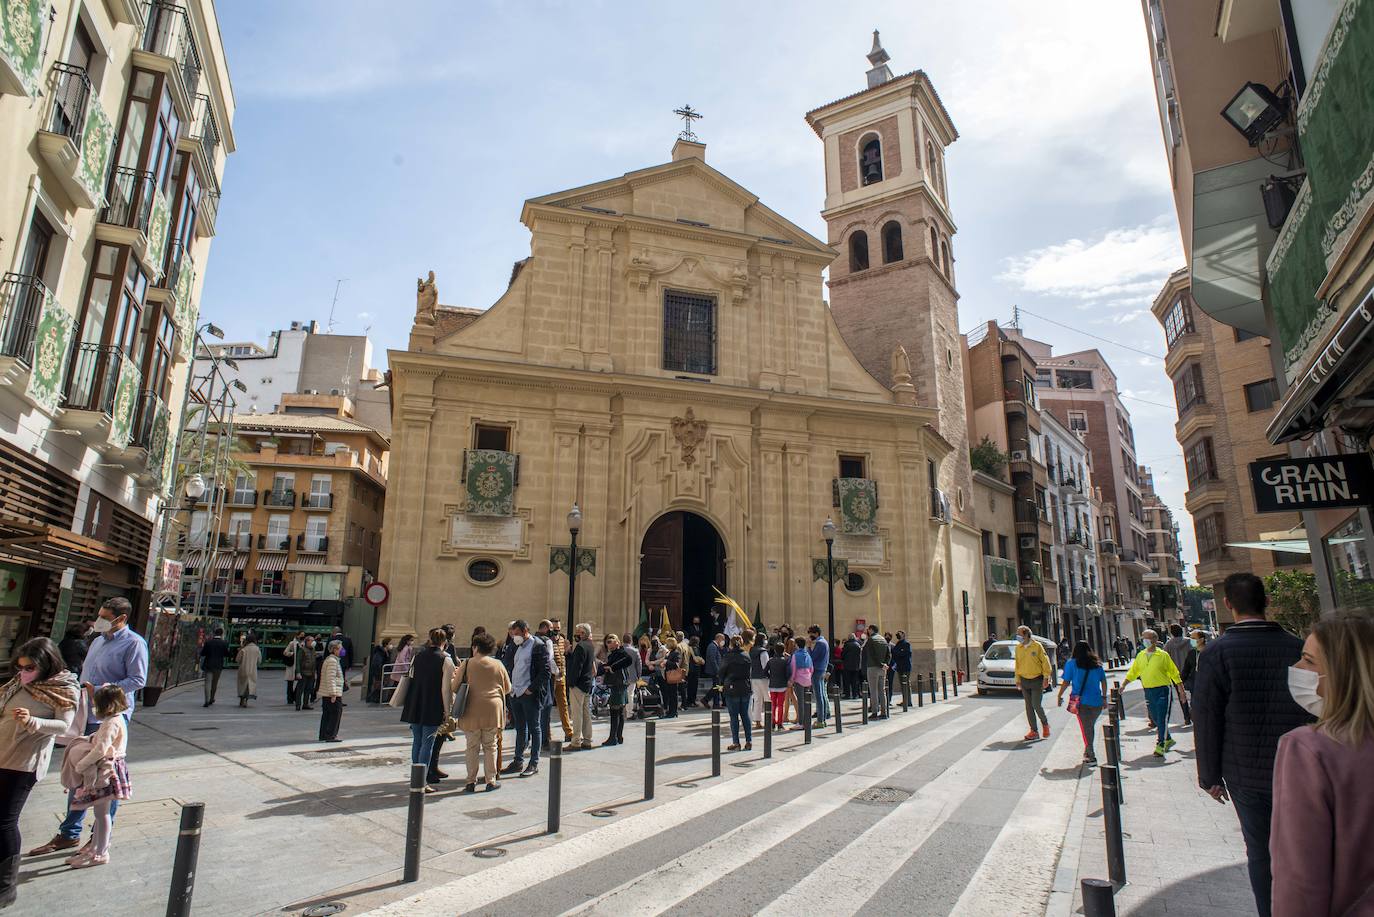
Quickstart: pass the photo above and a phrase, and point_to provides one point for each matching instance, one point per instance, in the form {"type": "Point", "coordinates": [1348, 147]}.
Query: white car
{"type": "Point", "coordinates": [997, 668]}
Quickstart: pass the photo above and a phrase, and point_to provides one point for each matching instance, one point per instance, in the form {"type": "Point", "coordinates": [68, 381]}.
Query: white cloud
{"type": "Point", "coordinates": [1124, 267]}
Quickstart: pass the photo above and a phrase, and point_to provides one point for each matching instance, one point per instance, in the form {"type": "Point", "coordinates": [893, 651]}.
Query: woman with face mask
{"type": "Point", "coordinates": [1323, 824]}
{"type": "Point", "coordinates": [36, 705]}
{"type": "Point", "coordinates": [1196, 644]}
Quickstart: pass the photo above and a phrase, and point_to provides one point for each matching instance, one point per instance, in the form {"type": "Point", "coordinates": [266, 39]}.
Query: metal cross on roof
{"type": "Point", "coordinates": [688, 114]}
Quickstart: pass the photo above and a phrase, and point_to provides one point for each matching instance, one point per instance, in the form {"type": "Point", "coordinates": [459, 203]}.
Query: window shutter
{"type": "Point", "coordinates": [834, 491]}
{"type": "Point", "coordinates": [463, 472]}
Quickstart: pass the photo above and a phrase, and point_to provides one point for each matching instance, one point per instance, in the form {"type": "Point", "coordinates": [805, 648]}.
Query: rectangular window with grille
{"type": "Point", "coordinates": [689, 332]}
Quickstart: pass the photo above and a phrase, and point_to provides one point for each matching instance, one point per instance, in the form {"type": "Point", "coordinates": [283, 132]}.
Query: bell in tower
{"type": "Point", "coordinates": [873, 161]}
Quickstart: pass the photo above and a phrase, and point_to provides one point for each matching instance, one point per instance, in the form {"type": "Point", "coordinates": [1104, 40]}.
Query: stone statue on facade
{"type": "Point", "coordinates": [903, 389]}
{"type": "Point", "coordinates": [426, 298]}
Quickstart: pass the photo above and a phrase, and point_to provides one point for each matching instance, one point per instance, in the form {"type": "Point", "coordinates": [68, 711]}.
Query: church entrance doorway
{"type": "Point", "coordinates": [682, 558]}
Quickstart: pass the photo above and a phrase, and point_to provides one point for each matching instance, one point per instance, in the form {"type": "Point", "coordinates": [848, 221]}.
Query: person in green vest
{"type": "Point", "coordinates": [1161, 680]}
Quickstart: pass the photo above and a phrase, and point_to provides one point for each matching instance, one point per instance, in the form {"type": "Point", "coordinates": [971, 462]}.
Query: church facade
{"type": "Point", "coordinates": [665, 361]}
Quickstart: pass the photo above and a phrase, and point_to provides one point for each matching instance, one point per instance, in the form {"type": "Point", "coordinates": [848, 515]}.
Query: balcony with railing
{"type": "Point", "coordinates": [202, 138]}
{"type": "Point", "coordinates": [312, 544]}
{"type": "Point", "coordinates": [279, 498]}
{"type": "Point", "coordinates": [35, 340]}
{"type": "Point", "coordinates": [323, 501]}
{"type": "Point", "coordinates": [236, 541]}
{"type": "Point", "coordinates": [274, 542]}
{"type": "Point", "coordinates": [101, 396]}
{"type": "Point", "coordinates": [207, 213]}
{"type": "Point", "coordinates": [148, 441]}
{"type": "Point", "coordinates": [134, 214]}
{"type": "Point", "coordinates": [77, 136]}
{"type": "Point", "coordinates": [243, 498]}
{"type": "Point", "coordinates": [168, 46]}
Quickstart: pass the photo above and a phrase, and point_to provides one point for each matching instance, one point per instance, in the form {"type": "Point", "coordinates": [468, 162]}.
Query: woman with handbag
{"type": "Point", "coordinates": [481, 685]}
{"type": "Point", "coordinates": [1087, 680]}
{"type": "Point", "coordinates": [617, 672]}
{"type": "Point", "coordinates": [672, 674]}
{"type": "Point", "coordinates": [425, 695]}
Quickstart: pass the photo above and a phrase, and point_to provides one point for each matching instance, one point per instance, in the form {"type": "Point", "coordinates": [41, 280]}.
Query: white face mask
{"type": "Point", "coordinates": [1022, 640]}
{"type": "Point", "coordinates": [1302, 684]}
{"type": "Point", "coordinates": [1149, 644]}
{"type": "Point", "coordinates": [519, 639]}
{"type": "Point", "coordinates": [103, 625]}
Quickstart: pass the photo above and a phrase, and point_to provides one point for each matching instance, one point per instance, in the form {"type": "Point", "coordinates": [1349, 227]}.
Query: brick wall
{"type": "Point", "coordinates": [849, 152]}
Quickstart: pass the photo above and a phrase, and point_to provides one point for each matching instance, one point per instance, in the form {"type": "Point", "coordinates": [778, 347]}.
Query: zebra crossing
{"type": "Point", "coordinates": [941, 810]}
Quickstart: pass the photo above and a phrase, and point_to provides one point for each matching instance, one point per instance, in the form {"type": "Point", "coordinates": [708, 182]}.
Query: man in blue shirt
{"type": "Point", "coordinates": [117, 656]}
{"type": "Point", "coordinates": [820, 658]}
{"type": "Point", "coordinates": [529, 662]}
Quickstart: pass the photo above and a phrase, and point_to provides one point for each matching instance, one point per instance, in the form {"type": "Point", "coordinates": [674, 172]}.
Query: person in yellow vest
{"type": "Point", "coordinates": [1160, 678]}
{"type": "Point", "coordinates": [1034, 674]}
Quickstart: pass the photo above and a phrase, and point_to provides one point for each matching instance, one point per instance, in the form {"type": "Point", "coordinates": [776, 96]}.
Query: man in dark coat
{"type": "Point", "coordinates": [213, 652]}
{"type": "Point", "coordinates": [1241, 708]}
{"type": "Point", "coordinates": [715, 656]}
{"type": "Point", "coordinates": [852, 657]}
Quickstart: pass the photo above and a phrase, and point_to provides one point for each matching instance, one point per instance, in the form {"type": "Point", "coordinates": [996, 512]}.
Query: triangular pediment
{"type": "Point", "coordinates": [633, 195]}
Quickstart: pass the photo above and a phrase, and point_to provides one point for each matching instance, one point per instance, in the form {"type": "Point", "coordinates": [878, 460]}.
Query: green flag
{"type": "Point", "coordinates": [643, 627]}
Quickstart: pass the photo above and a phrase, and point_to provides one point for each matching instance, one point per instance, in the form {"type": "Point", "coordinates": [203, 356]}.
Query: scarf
{"type": "Point", "coordinates": [59, 692]}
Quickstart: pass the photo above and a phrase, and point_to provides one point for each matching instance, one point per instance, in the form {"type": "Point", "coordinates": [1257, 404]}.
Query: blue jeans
{"type": "Point", "coordinates": [528, 716]}
{"type": "Point", "coordinates": [71, 825]}
{"type": "Point", "coordinates": [1157, 701]}
{"type": "Point", "coordinates": [422, 743]}
{"type": "Point", "coordinates": [1255, 809]}
{"type": "Point", "coordinates": [821, 698]}
{"type": "Point", "coordinates": [739, 713]}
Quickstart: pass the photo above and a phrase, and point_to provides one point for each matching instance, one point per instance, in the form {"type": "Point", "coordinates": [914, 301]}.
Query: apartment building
{"type": "Point", "coordinates": [299, 523]}
{"type": "Point", "coordinates": [1003, 408]}
{"type": "Point", "coordinates": [1227, 395]}
{"type": "Point", "coordinates": [1265, 108]}
{"type": "Point", "coordinates": [300, 359]}
{"type": "Point", "coordinates": [115, 121]}
{"type": "Point", "coordinates": [998, 602]}
{"type": "Point", "coordinates": [1080, 390]}
{"type": "Point", "coordinates": [1164, 582]}
{"type": "Point", "coordinates": [1076, 511]}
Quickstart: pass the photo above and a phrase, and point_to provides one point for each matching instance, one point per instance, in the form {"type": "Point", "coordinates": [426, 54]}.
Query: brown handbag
{"type": "Point", "coordinates": [675, 676]}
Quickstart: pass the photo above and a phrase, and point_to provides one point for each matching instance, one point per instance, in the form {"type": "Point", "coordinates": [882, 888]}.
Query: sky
{"type": "Point", "coordinates": [372, 148]}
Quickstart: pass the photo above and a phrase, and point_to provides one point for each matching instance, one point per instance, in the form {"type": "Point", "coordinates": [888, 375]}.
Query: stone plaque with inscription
{"type": "Point", "coordinates": [486, 533]}
{"type": "Point", "coordinates": [860, 550]}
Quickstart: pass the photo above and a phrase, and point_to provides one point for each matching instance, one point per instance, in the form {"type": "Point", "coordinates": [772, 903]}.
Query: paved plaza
{"type": "Point", "coordinates": [942, 809]}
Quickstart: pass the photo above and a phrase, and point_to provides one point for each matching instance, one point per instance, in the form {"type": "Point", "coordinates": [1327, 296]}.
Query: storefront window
{"type": "Point", "coordinates": [321, 586]}
{"type": "Point", "coordinates": [1348, 555]}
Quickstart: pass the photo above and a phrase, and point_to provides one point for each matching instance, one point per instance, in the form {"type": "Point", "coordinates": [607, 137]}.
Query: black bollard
{"type": "Point", "coordinates": [1111, 737]}
{"type": "Point", "coordinates": [835, 701]}
{"type": "Point", "coordinates": [956, 682]}
{"type": "Point", "coordinates": [415, 821]}
{"type": "Point", "coordinates": [184, 865]}
{"type": "Point", "coordinates": [1118, 701]}
{"type": "Point", "coordinates": [715, 743]}
{"type": "Point", "coordinates": [933, 698]}
{"type": "Point", "coordinates": [1098, 898]}
{"type": "Point", "coordinates": [944, 686]}
{"type": "Point", "coordinates": [649, 759]}
{"type": "Point", "coordinates": [806, 715]}
{"type": "Point", "coordinates": [768, 734]}
{"type": "Point", "coordinates": [920, 690]}
{"type": "Point", "coordinates": [863, 699]}
{"type": "Point", "coordinates": [905, 678]}
{"type": "Point", "coordinates": [1111, 820]}
{"type": "Point", "coordinates": [555, 784]}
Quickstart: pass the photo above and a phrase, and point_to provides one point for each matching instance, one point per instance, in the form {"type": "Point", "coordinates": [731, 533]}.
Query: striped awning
{"type": "Point", "coordinates": [271, 563]}
{"type": "Point", "coordinates": [310, 560]}
{"type": "Point", "coordinates": [226, 561]}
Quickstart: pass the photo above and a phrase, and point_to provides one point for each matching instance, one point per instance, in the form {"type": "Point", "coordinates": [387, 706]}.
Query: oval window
{"type": "Point", "coordinates": [855, 582]}
{"type": "Point", "coordinates": [483, 570]}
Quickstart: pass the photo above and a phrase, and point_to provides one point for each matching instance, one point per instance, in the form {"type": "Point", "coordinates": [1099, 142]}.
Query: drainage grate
{"type": "Point", "coordinates": [325, 910]}
{"type": "Point", "coordinates": [170, 712]}
{"type": "Point", "coordinates": [883, 796]}
{"type": "Point", "coordinates": [325, 754]}
{"type": "Point", "coordinates": [488, 814]}
{"type": "Point", "coordinates": [489, 853]}
{"type": "Point", "coordinates": [686, 786]}
{"type": "Point", "coordinates": [370, 762]}
{"type": "Point", "coordinates": [742, 764]}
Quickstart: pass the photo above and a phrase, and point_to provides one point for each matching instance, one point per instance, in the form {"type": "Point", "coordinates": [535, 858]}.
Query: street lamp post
{"type": "Point", "coordinates": [574, 526]}
{"type": "Point", "coordinates": [828, 533]}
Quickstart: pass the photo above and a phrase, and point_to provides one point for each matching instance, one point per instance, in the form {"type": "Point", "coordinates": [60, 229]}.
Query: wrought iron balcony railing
{"type": "Point", "coordinates": [278, 498]}
{"type": "Point", "coordinates": [21, 299]}
{"type": "Point", "coordinates": [130, 198]}
{"type": "Point", "coordinates": [317, 501]}
{"type": "Point", "coordinates": [167, 31]}
{"type": "Point", "coordinates": [71, 91]}
{"type": "Point", "coordinates": [94, 378]}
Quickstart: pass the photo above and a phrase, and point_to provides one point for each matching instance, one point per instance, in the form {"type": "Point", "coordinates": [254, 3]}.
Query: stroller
{"type": "Point", "coordinates": [647, 698]}
{"type": "Point", "coordinates": [601, 699]}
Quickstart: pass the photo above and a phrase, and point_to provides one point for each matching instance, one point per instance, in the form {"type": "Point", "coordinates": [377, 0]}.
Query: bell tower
{"type": "Point", "coordinates": [887, 209]}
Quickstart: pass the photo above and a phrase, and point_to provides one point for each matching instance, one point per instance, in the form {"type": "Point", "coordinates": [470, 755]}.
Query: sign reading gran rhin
{"type": "Point", "coordinates": [1285, 485]}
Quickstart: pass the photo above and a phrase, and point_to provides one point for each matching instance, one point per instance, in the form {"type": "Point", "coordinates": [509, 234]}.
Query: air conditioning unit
{"type": "Point", "coordinates": [1019, 455]}
{"type": "Point", "coordinates": [1028, 542]}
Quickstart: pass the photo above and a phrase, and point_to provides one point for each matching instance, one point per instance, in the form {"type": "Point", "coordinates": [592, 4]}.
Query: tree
{"type": "Point", "coordinates": [987, 458]}
{"type": "Point", "coordinates": [1293, 599]}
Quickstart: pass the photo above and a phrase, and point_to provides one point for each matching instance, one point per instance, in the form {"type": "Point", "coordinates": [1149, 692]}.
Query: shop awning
{"type": "Point", "coordinates": [310, 561]}
{"type": "Point", "coordinates": [52, 548]}
{"type": "Point", "coordinates": [228, 561]}
{"type": "Point", "coordinates": [271, 563]}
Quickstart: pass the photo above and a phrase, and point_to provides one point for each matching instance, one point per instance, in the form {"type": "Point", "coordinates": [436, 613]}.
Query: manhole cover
{"type": "Point", "coordinates": [171, 712]}
{"type": "Point", "coordinates": [489, 853]}
{"type": "Point", "coordinates": [370, 762]}
{"type": "Point", "coordinates": [487, 814]}
{"type": "Point", "coordinates": [324, 910]}
{"type": "Point", "coordinates": [325, 754]}
{"type": "Point", "coordinates": [883, 796]}
{"type": "Point", "coordinates": [686, 786]}
{"type": "Point", "coordinates": [601, 813]}
{"type": "Point", "coordinates": [742, 764]}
